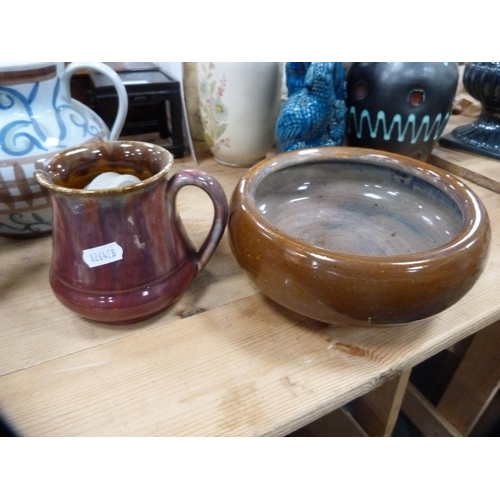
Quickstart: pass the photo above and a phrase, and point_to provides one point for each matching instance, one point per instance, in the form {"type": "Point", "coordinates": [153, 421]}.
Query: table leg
{"type": "Point", "coordinates": [177, 124]}
{"type": "Point", "coordinates": [378, 410]}
{"type": "Point", "coordinates": [475, 381]}
{"type": "Point", "coordinates": [425, 416]}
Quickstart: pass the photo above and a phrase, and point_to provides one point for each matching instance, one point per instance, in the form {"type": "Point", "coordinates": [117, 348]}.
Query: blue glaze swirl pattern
{"type": "Point", "coordinates": [21, 137]}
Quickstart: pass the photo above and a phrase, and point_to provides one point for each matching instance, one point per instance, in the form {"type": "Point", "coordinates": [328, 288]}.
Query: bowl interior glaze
{"type": "Point", "coordinates": [359, 208]}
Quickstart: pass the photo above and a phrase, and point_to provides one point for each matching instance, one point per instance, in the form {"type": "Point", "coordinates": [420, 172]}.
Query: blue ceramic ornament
{"type": "Point", "coordinates": [314, 114]}
{"type": "Point", "coordinates": [295, 76]}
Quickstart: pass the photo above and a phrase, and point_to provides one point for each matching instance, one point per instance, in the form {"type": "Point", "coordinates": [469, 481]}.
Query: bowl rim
{"type": "Point", "coordinates": [474, 214]}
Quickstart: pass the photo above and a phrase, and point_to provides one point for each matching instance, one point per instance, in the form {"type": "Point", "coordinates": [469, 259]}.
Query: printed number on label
{"type": "Point", "coordinates": [104, 254]}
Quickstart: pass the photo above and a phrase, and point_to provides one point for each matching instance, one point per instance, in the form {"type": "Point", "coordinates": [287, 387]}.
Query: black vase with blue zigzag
{"type": "Point", "coordinates": [400, 107]}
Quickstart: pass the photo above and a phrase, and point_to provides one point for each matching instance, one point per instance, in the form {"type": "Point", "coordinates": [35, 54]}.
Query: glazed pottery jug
{"type": "Point", "coordinates": [121, 254]}
{"type": "Point", "coordinates": [38, 118]}
{"type": "Point", "coordinates": [239, 105]}
{"type": "Point", "coordinates": [400, 107]}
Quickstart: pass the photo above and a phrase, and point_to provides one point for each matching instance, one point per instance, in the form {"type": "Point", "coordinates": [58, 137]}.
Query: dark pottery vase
{"type": "Point", "coordinates": [482, 137]}
{"type": "Point", "coordinates": [399, 107]}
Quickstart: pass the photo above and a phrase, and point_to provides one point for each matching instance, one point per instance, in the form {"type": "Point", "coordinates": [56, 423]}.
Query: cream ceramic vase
{"type": "Point", "coordinates": [239, 105]}
{"type": "Point", "coordinates": [38, 118]}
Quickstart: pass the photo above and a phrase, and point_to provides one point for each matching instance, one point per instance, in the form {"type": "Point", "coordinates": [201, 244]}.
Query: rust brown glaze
{"type": "Point", "coordinates": [37, 73]}
{"type": "Point", "coordinates": [159, 261]}
{"type": "Point", "coordinates": [342, 287]}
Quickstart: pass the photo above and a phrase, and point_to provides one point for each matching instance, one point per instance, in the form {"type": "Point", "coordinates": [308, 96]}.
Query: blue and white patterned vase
{"type": "Point", "coordinates": [38, 118]}
{"type": "Point", "coordinates": [399, 107]}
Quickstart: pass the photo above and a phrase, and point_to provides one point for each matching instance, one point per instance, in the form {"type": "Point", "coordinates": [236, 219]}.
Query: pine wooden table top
{"type": "Point", "coordinates": [222, 361]}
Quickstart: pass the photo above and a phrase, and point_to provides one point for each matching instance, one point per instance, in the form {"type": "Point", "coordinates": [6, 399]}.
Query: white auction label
{"type": "Point", "coordinates": [104, 254]}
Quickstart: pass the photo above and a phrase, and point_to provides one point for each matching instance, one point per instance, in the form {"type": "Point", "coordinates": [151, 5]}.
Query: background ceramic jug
{"type": "Point", "coordinates": [38, 118]}
{"type": "Point", "coordinates": [130, 256]}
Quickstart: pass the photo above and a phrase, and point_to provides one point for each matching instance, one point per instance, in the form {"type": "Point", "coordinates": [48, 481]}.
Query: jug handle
{"type": "Point", "coordinates": [203, 180]}
{"type": "Point", "coordinates": [121, 115]}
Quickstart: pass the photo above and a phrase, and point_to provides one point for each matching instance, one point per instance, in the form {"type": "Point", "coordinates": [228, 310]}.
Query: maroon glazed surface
{"type": "Point", "coordinates": [159, 261]}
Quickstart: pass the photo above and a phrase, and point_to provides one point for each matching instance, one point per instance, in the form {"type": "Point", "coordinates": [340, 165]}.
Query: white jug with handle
{"type": "Point", "coordinates": [38, 118]}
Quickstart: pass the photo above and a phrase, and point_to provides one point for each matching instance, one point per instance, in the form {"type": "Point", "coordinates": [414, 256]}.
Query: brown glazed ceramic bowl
{"type": "Point", "coordinates": [355, 236]}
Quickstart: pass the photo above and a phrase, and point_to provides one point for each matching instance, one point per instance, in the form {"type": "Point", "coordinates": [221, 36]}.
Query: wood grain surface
{"type": "Point", "coordinates": [222, 361]}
